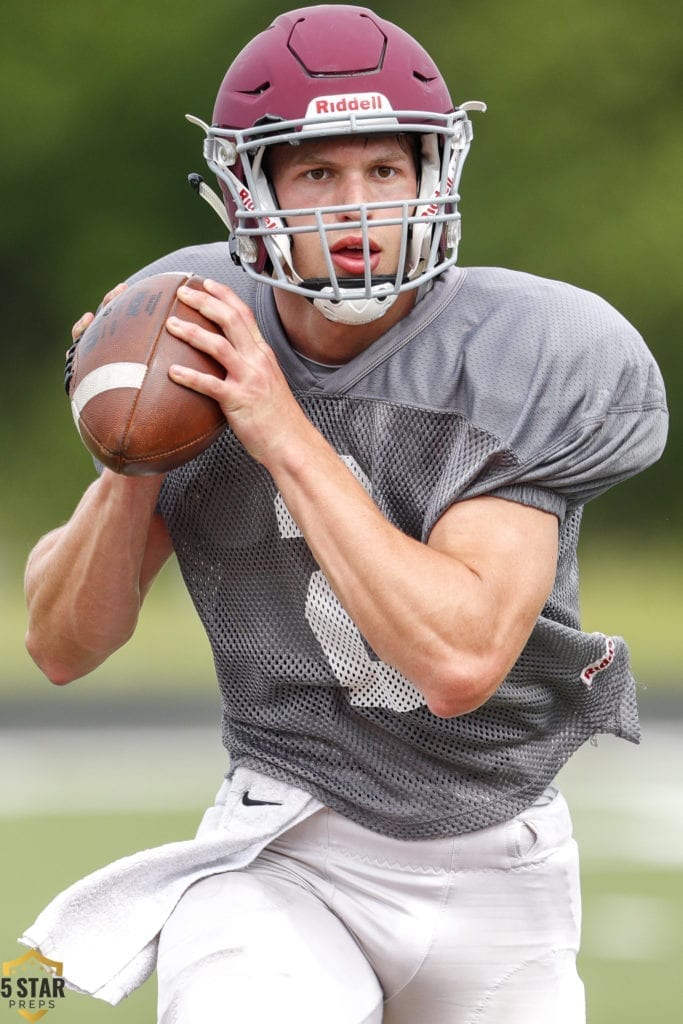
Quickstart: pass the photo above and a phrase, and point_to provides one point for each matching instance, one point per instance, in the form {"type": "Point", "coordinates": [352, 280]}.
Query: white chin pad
{"type": "Point", "coordinates": [353, 311]}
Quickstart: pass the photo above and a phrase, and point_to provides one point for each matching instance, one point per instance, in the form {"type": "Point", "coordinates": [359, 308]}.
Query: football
{"type": "Point", "coordinates": [130, 415]}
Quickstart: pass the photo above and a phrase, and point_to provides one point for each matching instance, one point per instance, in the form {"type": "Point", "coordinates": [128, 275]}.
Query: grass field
{"type": "Point", "coordinates": [627, 805]}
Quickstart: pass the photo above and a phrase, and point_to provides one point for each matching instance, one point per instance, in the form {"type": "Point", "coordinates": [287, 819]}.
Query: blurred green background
{"type": "Point", "coordinates": [575, 173]}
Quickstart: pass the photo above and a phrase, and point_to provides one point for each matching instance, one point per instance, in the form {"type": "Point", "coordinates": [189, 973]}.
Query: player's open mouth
{"type": "Point", "coordinates": [347, 255]}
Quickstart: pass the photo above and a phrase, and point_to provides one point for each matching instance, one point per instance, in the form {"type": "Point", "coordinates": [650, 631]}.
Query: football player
{"type": "Point", "coordinates": [382, 547]}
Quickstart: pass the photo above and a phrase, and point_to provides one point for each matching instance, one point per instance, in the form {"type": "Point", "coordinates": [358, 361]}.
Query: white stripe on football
{"type": "Point", "coordinates": [106, 378]}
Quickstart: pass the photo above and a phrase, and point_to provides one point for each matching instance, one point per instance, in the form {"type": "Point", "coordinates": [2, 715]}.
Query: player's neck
{"type": "Point", "coordinates": [311, 334]}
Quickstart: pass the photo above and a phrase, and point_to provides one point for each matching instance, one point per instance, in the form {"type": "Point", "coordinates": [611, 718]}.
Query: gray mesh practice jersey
{"type": "Point", "coordinates": [497, 383]}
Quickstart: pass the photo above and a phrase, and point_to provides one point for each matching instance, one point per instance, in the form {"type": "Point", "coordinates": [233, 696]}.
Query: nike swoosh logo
{"type": "Point", "coordinates": [248, 802]}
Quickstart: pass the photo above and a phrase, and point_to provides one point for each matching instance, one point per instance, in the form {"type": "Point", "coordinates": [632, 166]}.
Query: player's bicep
{"type": "Point", "coordinates": [512, 549]}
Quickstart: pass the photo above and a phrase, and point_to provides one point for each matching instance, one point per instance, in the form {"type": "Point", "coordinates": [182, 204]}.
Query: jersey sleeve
{"type": "Point", "coordinates": [211, 260]}
{"type": "Point", "coordinates": [572, 397]}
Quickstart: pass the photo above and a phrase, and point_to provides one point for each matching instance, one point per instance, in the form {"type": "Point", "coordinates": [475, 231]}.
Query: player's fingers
{"type": "Point", "coordinates": [114, 292]}
{"type": "Point", "coordinates": [212, 343]}
{"type": "Point", "coordinates": [232, 346]}
{"type": "Point", "coordinates": [224, 308]}
{"type": "Point", "coordinates": [81, 325]}
{"type": "Point", "coordinates": [247, 380]}
{"type": "Point", "coordinates": [233, 300]}
{"type": "Point", "coordinates": [86, 319]}
{"type": "Point", "coordinates": [204, 383]}
{"type": "Point", "coordinates": [226, 392]}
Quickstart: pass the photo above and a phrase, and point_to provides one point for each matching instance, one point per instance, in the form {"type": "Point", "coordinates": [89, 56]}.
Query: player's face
{"type": "Point", "coordinates": [339, 172]}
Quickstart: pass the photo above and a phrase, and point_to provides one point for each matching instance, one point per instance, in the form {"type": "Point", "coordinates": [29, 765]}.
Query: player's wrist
{"type": "Point", "coordinates": [134, 492]}
{"type": "Point", "coordinates": [276, 437]}
{"type": "Point", "coordinates": [292, 450]}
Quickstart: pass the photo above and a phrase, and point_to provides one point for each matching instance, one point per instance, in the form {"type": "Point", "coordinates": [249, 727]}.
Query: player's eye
{"type": "Point", "coordinates": [316, 174]}
{"type": "Point", "coordinates": [385, 172]}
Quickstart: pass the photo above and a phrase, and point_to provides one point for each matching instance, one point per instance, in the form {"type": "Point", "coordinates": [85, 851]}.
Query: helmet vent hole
{"type": "Point", "coordinates": [425, 79]}
{"type": "Point", "coordinates": [258, 91]}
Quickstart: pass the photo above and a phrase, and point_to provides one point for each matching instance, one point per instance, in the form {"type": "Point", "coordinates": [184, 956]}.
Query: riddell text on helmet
{"type": "Point", "coordinates": [364, 101]}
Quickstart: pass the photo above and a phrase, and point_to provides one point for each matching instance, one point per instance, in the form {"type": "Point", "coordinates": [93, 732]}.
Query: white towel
{"type": "Point", "coordinates": [104, 929]}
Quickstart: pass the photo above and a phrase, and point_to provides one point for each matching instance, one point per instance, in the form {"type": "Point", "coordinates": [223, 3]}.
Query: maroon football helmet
{"type": "Point", "coordinates": [326, 71]}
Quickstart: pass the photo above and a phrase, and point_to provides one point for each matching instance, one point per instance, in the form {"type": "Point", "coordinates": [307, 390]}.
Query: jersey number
{"type": "Point", "coordinates": [370, 683]}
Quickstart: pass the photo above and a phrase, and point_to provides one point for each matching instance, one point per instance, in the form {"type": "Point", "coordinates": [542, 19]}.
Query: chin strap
{"type": "Point", "coordinates": [211, 197]}
{"type": "Point", "coordinates": [360, 310]}
{"type": "Point", "coordinates": [353, 311]}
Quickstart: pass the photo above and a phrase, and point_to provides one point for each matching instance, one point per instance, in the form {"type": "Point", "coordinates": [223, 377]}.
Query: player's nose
{"type": "Point", "coordinates": [352, 191]}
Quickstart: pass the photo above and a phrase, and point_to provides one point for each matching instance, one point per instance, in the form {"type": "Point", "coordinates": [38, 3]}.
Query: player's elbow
{"type": "Point", "coordinates": [53, 670]}
{"type": "Point", "coordinates": [62, 666]}
{"type": "Point", "coordinates": [464, 685]}
{"type": "Point", "coordinates": [58, 676]}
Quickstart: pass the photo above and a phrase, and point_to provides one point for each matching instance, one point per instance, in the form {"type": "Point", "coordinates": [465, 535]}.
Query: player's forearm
{"type": "Point", "coordinates": [424, 612]}
{"type": "Point", "coordinates": [85, 581]}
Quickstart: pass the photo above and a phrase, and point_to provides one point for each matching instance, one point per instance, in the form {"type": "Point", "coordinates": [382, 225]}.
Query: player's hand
{"type": "Point", "coordinates": [255, 396]}
{"type": "Point", "coordinates": [86, 319]}
{"type": "Point", "coordinates": [79, 329]}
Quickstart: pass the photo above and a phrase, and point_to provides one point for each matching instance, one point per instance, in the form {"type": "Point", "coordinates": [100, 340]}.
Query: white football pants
{"type": "Point", "coordinates": [333, 924]}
